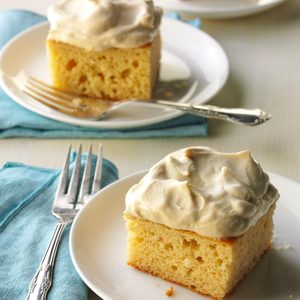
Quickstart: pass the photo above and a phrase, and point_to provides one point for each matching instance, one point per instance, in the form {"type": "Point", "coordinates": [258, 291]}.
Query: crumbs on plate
{"type": "Point", "coordinates": [169, 292]}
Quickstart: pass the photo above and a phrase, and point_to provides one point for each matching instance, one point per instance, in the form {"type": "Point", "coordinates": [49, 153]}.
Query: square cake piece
{"type": "Point", "coordinates": [109, 51]}
{"type": "Point", "coordinates": [207, 266]}
{"type": "Point", "coordinates": [201, 219]}
{"type": "Point", "coordinates": [114, 74]}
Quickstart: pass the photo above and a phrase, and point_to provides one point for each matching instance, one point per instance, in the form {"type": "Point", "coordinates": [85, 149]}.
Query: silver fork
{"type": "Point", "coordinates": [96, 109]}
{"type": "Point", "coordinates": [69, 199]}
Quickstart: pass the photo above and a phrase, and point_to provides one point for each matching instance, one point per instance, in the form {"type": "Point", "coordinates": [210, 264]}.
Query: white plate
{"type": "Point", "coordinates": [98, 251]}
{"type": "Point", "coordinates": [218, 8]}
{"type": "Point", "coordinates": [185, 47]}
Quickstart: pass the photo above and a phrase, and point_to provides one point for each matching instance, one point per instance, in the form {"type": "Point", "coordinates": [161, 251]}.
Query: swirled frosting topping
{"type": "Point", "coordinates": [218, 195]}
{"type": "Point", "coordinates": [103, 24]}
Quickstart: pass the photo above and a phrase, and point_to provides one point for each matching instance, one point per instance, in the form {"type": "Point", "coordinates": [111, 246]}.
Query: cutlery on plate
{"type": "Point", "coordinates": [97, 109]}
{"type": "Point", "coordinates": [70, 197]}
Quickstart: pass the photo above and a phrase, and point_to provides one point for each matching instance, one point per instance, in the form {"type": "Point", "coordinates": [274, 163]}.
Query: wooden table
{"type": "Point", "coordinates": [264, 55]}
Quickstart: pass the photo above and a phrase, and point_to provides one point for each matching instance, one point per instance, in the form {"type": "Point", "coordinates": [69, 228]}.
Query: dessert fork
{"type": "Point", "coordinates": [97, 109]}
{"type": "Point", "coordinates": [69, 199]}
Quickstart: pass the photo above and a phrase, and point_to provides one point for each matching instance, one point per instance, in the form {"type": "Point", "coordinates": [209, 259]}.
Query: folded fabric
{"type": "Point", "coordinates": [26, 226]}
{"type": "Point", "coordinates": [16, 121]}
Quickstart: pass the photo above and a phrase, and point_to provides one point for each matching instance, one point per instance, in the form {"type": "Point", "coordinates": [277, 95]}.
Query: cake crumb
{"type": "Point", "coordinates": [168, 94]}
{"type": "Point", "coordinates": [280, 245]}
{"type": "Point", "coordinates": [169, 292]}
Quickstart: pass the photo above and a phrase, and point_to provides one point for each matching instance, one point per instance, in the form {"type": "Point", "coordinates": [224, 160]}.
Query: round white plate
{"type": "Point", "coordinates": [98, 251]}
{"type": "Point", "coordinates": [186, 50]}
{"type": "Point", "coordinates": [218, 8]}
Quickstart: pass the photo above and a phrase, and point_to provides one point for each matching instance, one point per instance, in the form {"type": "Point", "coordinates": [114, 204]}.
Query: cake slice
{"type": "Point", "coordinates": [207, 266]}
{"type": "Point", "coordinates": [201, 219]}
{"type": "Point", "coordinates": [109, 51]}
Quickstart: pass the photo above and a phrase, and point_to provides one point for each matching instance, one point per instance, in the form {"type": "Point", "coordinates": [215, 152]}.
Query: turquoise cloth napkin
{"type": "Point", "coordinates": [16, 121]}
{"type": "Point", "coordinates": [26, 226]}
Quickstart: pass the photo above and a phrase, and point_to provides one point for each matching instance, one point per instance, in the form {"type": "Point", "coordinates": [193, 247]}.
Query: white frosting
{"type": "Point", "coordinates": [102, 24]}
{"type": "Point", "coordinates": [218, 195]}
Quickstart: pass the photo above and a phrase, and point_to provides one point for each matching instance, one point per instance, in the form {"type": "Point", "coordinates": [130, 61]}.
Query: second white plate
{"type": "Point", "coordinates": [98, 251]}
{"type": "Point", "coordinates": [219, 8]}
{"type": "Point", "coordinates": [182, 45]}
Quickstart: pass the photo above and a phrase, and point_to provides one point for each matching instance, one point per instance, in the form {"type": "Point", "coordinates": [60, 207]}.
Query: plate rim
{"type": "Point", "coordinates": [172, 113]}
{"type": "Point", "coordinates": [71, 236]}
{"type": "Point", "coordinates": [222, 12]}
{"type": "Point", "coordinates": [291, 204]}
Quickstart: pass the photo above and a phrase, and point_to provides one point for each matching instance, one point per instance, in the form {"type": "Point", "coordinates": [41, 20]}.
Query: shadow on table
{"type": "Point", "coordinates": [230, 96]}
{"type": "Point", "coordinates": [281, 18]}
{"type": "Point", "coordinates": [285, 12]}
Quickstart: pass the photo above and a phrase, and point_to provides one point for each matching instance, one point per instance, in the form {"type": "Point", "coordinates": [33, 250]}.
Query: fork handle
{"type": "Point", "coordinates": [244, 116]}
{"type": "Point", "coordinates": [42, 280]}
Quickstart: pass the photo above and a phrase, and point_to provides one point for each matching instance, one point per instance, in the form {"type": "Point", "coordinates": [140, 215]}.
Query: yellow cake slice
{"type": "Point", "coordinates": [193, 239]}
{"type": "Point", "coordinates": [207, 266]}
{"type": "Point", "coordinates": [114, 74]}
{"type": "Point", "coordinates": [105, 50]}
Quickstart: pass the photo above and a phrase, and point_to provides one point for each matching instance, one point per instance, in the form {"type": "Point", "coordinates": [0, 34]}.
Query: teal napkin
{"type": "Point", "coordinates": [16, 121]}
{"type": "Point", "coordinates": [26, 226]}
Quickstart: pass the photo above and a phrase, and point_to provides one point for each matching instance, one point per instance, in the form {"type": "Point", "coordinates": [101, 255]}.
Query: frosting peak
{"type": "Point", "coordinates": [219, 195]}
{"type": "Point", "coordinates": [102, 24]}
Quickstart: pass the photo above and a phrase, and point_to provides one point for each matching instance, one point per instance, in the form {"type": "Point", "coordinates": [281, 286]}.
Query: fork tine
{"type": "Point", "coordinates": [48, 102]}
{"type": "Point", "coordinates": [29, 88]}
{"type": "Point", "coordinates": [55, 101]}
{"type": "Point", "coordinates": [49, 89]}
{"type": "Point", "coordinates": [98, 171]}
{"type": "Point", "coordinates": [62, 185]}
{"type": "Point", "coordinates": [55, 94]}
{"type": "Point", "coordinates": [74, 182]}
{"type": "Point", "coordinates": [86, 177]}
